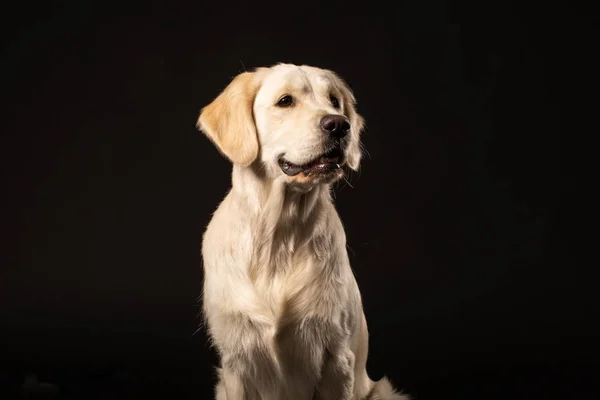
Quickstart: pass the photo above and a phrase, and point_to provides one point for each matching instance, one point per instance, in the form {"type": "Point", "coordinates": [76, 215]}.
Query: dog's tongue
{"type": "Point", "coordinates": [290, 169]}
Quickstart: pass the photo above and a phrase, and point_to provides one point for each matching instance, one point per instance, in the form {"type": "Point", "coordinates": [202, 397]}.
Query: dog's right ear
{"type": "Point", "coordinates": [229, 122]}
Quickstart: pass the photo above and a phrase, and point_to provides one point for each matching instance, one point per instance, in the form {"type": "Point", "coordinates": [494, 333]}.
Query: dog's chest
{"type": "Point", "coordinates": [310, 316]}
{"type": "Point", "coordinates": [289, 280]}
{"type": "Point", "coordinates": [306, 296]}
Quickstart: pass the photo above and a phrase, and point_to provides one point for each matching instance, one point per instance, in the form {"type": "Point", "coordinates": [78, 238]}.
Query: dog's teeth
{"type": "Point", "coordinates": [337, 165]}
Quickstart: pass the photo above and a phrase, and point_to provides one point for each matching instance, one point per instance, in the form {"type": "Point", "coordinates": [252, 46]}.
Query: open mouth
{"type": "Point", "coordinates": [325, 163]}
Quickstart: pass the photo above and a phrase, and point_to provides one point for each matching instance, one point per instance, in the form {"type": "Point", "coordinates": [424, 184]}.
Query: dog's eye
{"type": "Point", "coordinates": [334, 101]}
{"type": "Point", "coordinates": [285, 101]}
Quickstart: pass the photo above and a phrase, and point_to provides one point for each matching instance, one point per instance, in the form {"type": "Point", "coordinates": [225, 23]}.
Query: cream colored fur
{"type": "Point", "coordinates": [281, 303]}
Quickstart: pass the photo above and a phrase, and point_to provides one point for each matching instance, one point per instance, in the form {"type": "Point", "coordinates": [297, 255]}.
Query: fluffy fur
{"type": "Point", "coordinates": [280, 300]}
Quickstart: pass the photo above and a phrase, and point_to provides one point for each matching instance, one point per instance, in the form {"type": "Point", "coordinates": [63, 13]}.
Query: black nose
{"type": "Point", "coordinates": [336, 125]}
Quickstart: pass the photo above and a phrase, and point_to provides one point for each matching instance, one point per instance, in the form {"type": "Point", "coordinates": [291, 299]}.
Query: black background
{"type": "Point", "coordinates": [464, 224]}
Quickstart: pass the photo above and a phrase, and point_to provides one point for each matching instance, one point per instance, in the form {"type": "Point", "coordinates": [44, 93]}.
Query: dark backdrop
{"type": "Point", "coordinates": [463, 225]}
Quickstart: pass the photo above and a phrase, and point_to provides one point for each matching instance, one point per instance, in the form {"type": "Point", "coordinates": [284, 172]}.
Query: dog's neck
{"type": "Point", "coordinates": [282, 218]}
{"type": "Point", "coordinates": [260, 193]}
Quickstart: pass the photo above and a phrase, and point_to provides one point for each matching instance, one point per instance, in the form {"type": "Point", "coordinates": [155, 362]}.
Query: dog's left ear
{"type": "Point", "coordinates": [229, 122]}
{"type": "Point", "coordinates": [357, 125]}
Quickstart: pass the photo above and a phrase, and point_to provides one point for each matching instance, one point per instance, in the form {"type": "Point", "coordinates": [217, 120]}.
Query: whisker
{"type": "Point", "coordinates": [348, 182]}
{"type": "Point", "coordinates": [365, 151]}
{"type": "Point", "coordinates": [262, 166]}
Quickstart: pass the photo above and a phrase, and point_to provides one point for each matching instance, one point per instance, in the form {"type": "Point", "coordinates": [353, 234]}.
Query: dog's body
{"type": "Point", "coordinates": [282, 305]}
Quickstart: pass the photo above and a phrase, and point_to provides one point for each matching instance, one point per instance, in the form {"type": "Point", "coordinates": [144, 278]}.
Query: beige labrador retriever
{"type": "Point", "coordinates": [280, 300]}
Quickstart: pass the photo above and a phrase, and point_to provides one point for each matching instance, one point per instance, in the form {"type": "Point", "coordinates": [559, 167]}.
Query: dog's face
{"type": "Point", "coordinates": [299, 121]}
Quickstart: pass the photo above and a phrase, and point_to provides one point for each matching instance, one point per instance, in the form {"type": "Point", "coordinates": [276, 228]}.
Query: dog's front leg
{"type": "Point", "coordinates": [235, 386]}
{"type": "Point", "coordinates": [231, 386]}
{"type": "Point", "coordinates": [249, 365]}
{"type": "Point", "coordinates": [337, 373]}
{"type": "Point", "coordinates": [337, 379]}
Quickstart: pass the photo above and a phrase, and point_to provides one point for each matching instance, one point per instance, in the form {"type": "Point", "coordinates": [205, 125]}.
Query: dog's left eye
{"type": "Point", "coordinates": [334, 101]}
{"type": "Point", "coordinates": [285, 101]}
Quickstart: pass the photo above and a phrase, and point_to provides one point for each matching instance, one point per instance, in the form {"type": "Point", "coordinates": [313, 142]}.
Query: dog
{"type": "Point", "coordinates": [281, 303]}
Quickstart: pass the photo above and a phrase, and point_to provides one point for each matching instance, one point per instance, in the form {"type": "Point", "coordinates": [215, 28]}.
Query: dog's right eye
{"type": "Point", "coordinates": [285, 101]}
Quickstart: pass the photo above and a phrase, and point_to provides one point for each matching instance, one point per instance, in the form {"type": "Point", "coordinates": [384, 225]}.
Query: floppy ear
{"type": "Point", "coordinates": [357, 125]}
{"type": "Point", "coordinates": [229, 123]}
{"type": "Point", "coordinates": [354, 152]}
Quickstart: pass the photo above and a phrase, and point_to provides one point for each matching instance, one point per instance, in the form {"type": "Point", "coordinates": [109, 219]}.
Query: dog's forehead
{"type": "Point", "coordinates": [298, 78]}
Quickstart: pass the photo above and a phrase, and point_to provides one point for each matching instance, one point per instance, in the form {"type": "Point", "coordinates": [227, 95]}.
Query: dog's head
{"type": "Point", "coordinates": [299, 121]}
